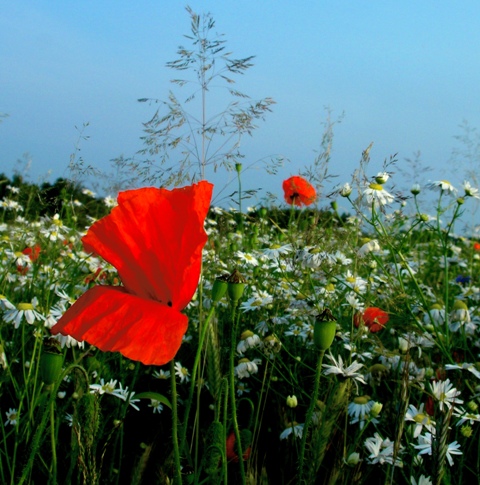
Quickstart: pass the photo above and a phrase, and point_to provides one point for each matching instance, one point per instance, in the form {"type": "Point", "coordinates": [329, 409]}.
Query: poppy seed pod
{"type": "Point", "coordinates": [324, 330]}
{"type": "Point", "coordinates": [219, 288]}
{"type": "Point", "coordinates": [51, 361]}
{"type": "Point", "coordinates": [236, 285]}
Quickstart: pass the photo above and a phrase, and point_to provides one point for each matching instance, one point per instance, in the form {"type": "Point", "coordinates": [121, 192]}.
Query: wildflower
{"type": "Point", "coordinates": [248, 340]}
{"type": "Point", "coordinates": [154, 238]}
{"type": "Point", "coordinates": [381, 177]}
{"type": "Point", "coordinates": [156, 405]}
{"type": "Point", "coordinates": [476, 246]}
{"type": "Point", "coordinates": [231, 447]}
{"type": "Point", "coordinates": [345, 190]}
{"type": "Point", "coordinates": [445, 394]}
{"type": "Point", "coordinates": [373, 318]}
{"type": "Point", "coordinates": [415, 190]}
{"type": "Point", "coordinates": [470, 191]}
{"type": "Point", "coordinates": [425, 447]}
{"type": "Point", "coordinates": [381, 450]}
{"type": "Point", "coordinates": [420, 419]}
{"type": "Point", "coordinates": [368, 247]}
{"type": "Point", "coordinates": [182, 372]}
{"type": "Point", "coordinates": [22, 311]}
{"type": "Point", "coordinates": [161, 374]}
{"type": "Point", "coordinates": [246, 367]}
{"type": "Point", "coordinates": [443, 186]}
{"type": "Point", "coordinates": [109, 387]}
{"type": "Point", "coordinates": [293, 428]}
{"type": "Point", "coordinates": [292, 401]}
{"type": "Point", "coordinates": [460, 313]}
{"type": "Point", "coordinates": [32, 252]}
{"type": "Point", "coordinates": [465, 416]}
{"type": "Point", "coordinates": [360, 409]}
{"type": "Point", "coordinates": [12, 417]}
{"type": "Point", "coordinates": [470, 367]}
{"type": "Point", "coordinates": [423, 480]}
{"type": "Point", "coordinates": [298, 191]}
{"type": "Point", "coordinates": [377, 196]}
{"type": "Point", "coordinates": [248, 258]}
{"type": "Point", "coordinates": [338, 368]}
{"type": "Point", "coordinates": [353, 459]}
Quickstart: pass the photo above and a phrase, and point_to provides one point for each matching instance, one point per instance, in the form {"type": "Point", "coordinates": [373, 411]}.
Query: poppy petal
{"type": "Point", "coordinates": [154, 238]}
{"type": "Point", "coordinates": [113, 320]}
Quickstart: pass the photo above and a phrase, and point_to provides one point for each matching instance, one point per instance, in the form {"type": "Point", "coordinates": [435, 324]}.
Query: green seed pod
{"type": "Point", "coordinates": [51, 361]}
{"type": "Point", "coordinates": [324, 330]}
{"type": "Point", "coordinates": [219, 288]}
{"type": "Point", "coordinates": [236, 285]}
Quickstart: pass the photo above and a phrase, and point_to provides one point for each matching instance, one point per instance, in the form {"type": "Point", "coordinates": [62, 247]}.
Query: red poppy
{"type": "Point", "coordinates": [374, 318]}
{"type": "Point", "coordinates": [298, 191]}
{"type": "Point", "coordinates": [33, 253]}
{"type": "Point", "coordinates": [232, 449]}
{"type": "Point", "coordinates": [476, 246]}
{"type": "Point", "coordinates": [154, 238]}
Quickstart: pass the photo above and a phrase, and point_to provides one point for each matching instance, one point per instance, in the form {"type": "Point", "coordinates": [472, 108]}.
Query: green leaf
{"type": "Point", "coordinates": [154, 395]}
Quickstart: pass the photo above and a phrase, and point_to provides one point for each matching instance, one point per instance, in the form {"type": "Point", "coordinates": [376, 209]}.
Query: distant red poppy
{"type": "Point", "coordinates": [476, 246]}
{"type": "Point", "coordinates": [33, 253]}
{"type": "Point", "coordinates": [373, 318]}
{"type": "Point", "coordinates": [232, 449]}
{"type": "Point", "coordinates": [298, 191]}
{"type": "Point", "coordinates": [154, 238]}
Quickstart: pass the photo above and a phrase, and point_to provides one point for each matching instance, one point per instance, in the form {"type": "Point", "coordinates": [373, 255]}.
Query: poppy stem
{"type": "Point", "coordinates": [236, 430]}
{"type": "Point", "coordinates": [193, 380]}
{"type": "Point", "coordinates": [177, 476]}
{"type": "Point", "coordinates": [308, 419]}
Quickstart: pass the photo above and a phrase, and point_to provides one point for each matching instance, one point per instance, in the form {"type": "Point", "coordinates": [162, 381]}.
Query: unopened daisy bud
{"type": "Point", "coordinates": [415, 190]}
{"type": "Point", "coordinates": [466, 430]}
{"type": "Point", "coordinates": [376, 409]}
{"type": "Point", "coordinates": [460, 201]}
{"type": "Point", "coordinates": [334, 205]}
{"type": "Point", "coordinates": [292, 401]}
{"type": "Point", "coordinates": [382, 177]}
{"type": "Point", "coordinates": [346, 190]}
{"type": "Point", "coordinates": [473, 406]}
{"type": "Point", "coordinates": [236, 286]}
{"type": "Point", "coordinates": [263, 212]}
{"type": "Point", "coordinates": [403, 344]}
{"type": "Point", "coordinates": [324, 330]}
{"type": "Point", "coordinates": [51, 361]}
{"type": "Point", "coordinates": [353, 459]}
{"type": "Point", "coordinates": [219, 288]}
{"type": "Point", "coordinates": [238, 167]}
{"type": "Point", "coordinates": [424, 217]}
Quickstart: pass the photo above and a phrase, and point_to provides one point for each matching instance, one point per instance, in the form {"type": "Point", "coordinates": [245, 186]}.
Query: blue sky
{"type": "Point", "coordinates": [405, 75]}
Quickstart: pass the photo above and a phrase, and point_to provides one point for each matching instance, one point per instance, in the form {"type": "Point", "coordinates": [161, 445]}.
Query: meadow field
{"type": "Point", "coordinates": [336, 348]}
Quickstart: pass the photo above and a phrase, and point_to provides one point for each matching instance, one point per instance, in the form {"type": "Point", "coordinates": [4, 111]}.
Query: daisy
{"type": "Point", "coordinates": [420, 418]}
{"type": "Point", "coordinates": [470, 367]}
{"type": "Point", "coordinates": [246, 367]}
{"type": "Point", "coordinates": [275, 251]}
{"type": "Point", "coordinates": [107, 388]}
{"type": "Point", "coordinates": [12, 417]}
{"type": "Point", "coordinates": [294, 428]}
{"type": "Point", "coordinates": [370, 246]}
{"type": "Point", "coordinates": [338, 368]}
{"type": "Point", "coordinates": [381, 450]}
{"type": "Point", "coordinates": [182, 372]}
{"type": "Point", "coordinates": [381, 177]}
{"type": "Point", "coordinates": [22, 311]}
{"type": "Point", "coordinates": [445, 394]}
{"type": "Point", "coordinates": [360, 409]}
{"type": "Point", "coordinates": [423, 480]}
{"type": "Point", "coordinates": [443, 186]}
{"type": "Point", "coordinates": [425, 447]}
{"type": "Point", "coordinates": [156, 405]}
{"type": "Point", "coordinates": [249, 340]}
{"type": "Point", "coordinates": [470, 191]}
{"type": "Point", "coordinates": [247, 257]}
{"type": "Point", "coordinates": [345, 190]}
{"type": "Point", "coordinates": [465, 416]}
{"type": "Point", "coordinates": [377, 196]}
{"type": "Point", "coordinates": [161, 374]}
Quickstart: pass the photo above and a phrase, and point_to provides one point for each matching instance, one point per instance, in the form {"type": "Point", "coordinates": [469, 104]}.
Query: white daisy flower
{"type": "Point", "coordinates": [445, 394]}
{"type": "Point", "coordinates": [246, 367]}
{"type": "Point", "coordinates": [12, 417]}
{"type": "Point", "coordinates": [425, 447]}
{"type": "Point", "coordinates": [420, 418]}
{"type": "Point", "coordinates": [377, 196]}
{"type": "Point", "coordinates": [22, 311]}
{"type": "Point", "coordinates": [443, 186]}
{"type": "Point", "coordinates": [294, 428]}
{"type": "Point", "coordinates": [182, 372]}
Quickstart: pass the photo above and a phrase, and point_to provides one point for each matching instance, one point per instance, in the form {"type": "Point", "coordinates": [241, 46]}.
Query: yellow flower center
{"type": "Point", "coordinates": [375, 186]}
{"type": "Point", "coordinates": [361, 399]}
{"type": "Point", "coordinates": [24, 306]}
{"type": "Point", "coordinates": [421, 418]}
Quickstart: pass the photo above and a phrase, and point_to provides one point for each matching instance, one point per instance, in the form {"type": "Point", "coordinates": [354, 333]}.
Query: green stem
{"type": "Point", "coordinates": [177, 476]}
{"type": "Point", "coordinates": [236, 429]}
{"type": "Point", "coordinates": [308, 419]}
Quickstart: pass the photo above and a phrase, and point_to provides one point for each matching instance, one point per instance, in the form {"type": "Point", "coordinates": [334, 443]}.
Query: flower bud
{"type": "Point", "coordinates": [376, 409]}
{"type": "Point", "coordinates": [292, 401]}
{"type": "Point", "coordinates": [236, 285]}
{"type": "Point", "coordinates": [353, 459]}
{"type": "Point", "coordinates": [51, 361]}
{"type": "Point", "coordinates": [324, 330]}
{"type": "Point", "coordinates": [219, 288]}
{"type": "Point", "coordinates": [415, 190]}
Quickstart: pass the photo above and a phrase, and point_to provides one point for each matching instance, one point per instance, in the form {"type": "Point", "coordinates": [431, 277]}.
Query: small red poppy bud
{"type": "Point", "coordinates": [246, 440]}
